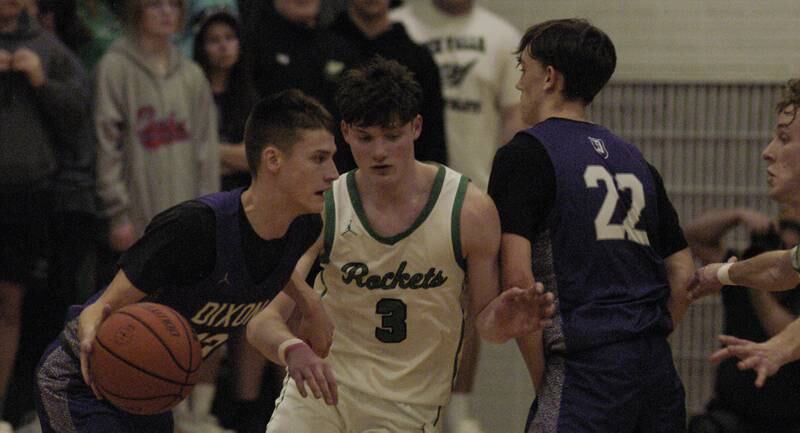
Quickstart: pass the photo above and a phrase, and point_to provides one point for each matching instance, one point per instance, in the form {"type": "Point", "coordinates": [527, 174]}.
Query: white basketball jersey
{"type": "Point", "coordinates": [396, 302]}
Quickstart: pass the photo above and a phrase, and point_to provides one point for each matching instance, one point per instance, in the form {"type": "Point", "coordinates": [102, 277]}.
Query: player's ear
{"type": "Point", "coordinates": [346, 131]}
{"type": "Point", "coordinates": [271, 158]}
{"type": "Point", "coordinates": [417, 125]}
{"type": "Point", "coordinates": [553, 79]}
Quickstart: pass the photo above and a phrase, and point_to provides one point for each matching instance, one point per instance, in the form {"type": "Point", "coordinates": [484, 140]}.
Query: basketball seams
{"type": "Point", "coordinates": [189, 335]}
{"type": "Point", "coordinates": [161, 409]}
{"type": "Point", "coordinates": [157, 336]}
{"type": "Point", "coordinates": [136, 367]}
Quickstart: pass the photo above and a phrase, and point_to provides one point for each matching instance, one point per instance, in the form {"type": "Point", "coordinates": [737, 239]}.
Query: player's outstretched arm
{"type": "Point", "coordinates": [764, 358]}
{"type": "Point", "coordinates": [119, 293]}
{"type": "Point", "coordinates": [502, 315]}
{"type": "Point", "coordinates": [771, 271]}
{"type": "Point", "coordinates": [269, 333]}
{"type": "Point", "coordinates": [309, 304]}
{"type": "Point", "coordinates": [680, 269]}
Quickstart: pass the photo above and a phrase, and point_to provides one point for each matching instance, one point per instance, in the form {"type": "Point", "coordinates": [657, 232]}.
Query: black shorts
{"type": "Point", "coordinates": [24, 239]}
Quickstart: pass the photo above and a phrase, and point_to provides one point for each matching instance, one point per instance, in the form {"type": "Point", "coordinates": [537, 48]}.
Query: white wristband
{"type": "Point", "coordinates": [723, 275]}
{"type": "Point", "coordinates": [285, 345]}
{"type": "Point", "coordinates": [794, 254]}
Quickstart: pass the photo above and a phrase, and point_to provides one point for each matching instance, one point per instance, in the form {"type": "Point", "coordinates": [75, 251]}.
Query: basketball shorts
{"type": "Point", "coordinates": [626, 387]}
{"type": "Point", "coordinates": [356, 412]}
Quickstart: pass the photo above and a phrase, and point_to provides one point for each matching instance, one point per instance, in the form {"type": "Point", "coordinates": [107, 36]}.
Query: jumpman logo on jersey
{"type": "Point", "coordinates": [599, 146]}
{"type": "Point", "coordinates": [224, 280]}
{"type": "Point", "coordinates": [349, 228]}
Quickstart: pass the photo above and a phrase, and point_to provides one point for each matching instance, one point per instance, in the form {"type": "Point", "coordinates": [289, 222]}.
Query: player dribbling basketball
{"type": "Point", "coordinates": [217, 260]}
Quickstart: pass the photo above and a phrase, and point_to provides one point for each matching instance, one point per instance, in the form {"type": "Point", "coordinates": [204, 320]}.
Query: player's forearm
{"type": "Point", "coordinates": [771, 271]}
{"type": "Point", "coordinates": [680, 269]}
{"type": "Point", "coordinates": [789, 340]}
{"type": "Point", "coordinates": [709, 228]}
{"type": "Point", "coordinates": [266, 332]}
{"type": "Point", "coordinates": [532, 349]}
{"type": "Point", "coordinates": [487, 325]}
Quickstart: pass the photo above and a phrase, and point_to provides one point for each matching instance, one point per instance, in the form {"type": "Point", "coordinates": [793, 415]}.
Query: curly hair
{"type": "Point", "coordinates": [790, 95]}
{"type": "Point", "coordinates": [381, 93]}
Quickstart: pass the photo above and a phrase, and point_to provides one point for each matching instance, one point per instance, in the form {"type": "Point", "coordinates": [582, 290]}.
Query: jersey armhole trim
{"type": "Point", "coordinates": [330, 227]}
{"type": "Point", "coordinates": [455, 224]}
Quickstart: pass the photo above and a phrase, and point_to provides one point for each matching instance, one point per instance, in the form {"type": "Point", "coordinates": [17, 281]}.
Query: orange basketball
{"type": "Point", "coordinates": [145, 359]}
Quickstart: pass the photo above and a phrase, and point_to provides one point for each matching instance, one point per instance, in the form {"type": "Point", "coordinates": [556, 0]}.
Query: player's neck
{"type": "Point", "coordinates": [264, 211]}
{"type": "Point", "coordinates": [564, 109]}
{"type": "Point", "coordinates": [414, 184]}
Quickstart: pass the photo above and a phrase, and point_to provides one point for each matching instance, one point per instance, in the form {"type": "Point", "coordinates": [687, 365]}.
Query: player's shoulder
{"type": "Point", "coordinates": [478, 209]}
{"type": "Point", "coordinates": [191, 217]}
{"type": "Point", "coordinates": [522, 147]}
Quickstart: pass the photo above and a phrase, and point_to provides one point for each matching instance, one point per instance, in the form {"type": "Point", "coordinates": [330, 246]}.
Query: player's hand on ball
{"type": "Point", "coordinates": [88, 323]}
{"type": "Point", "coordinates": [306, 368]}
{"type": "Point", "coordinates": [763, 358]}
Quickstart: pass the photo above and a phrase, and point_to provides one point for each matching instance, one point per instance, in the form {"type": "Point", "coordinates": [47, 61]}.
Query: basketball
{"type": "Point", "coordinates": [145, 358]}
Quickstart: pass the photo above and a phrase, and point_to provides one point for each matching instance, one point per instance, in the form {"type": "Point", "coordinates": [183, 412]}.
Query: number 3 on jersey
{"type": "Point", "coordinates": [393, 320]}
{"type": "Point", "coordinates": [605, 229]}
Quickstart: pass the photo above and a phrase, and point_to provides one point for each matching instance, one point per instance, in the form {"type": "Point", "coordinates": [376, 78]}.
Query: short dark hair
{"type": "Point", "coordinates": [380, 93]}
{"type": "Point", "coordinates": [583, 54]}
{"type": "Point", "coordinates": [278, 119]}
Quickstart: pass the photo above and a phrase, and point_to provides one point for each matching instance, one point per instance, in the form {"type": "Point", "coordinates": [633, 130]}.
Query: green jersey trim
{"type": "Point", "coordinates": [330, 227]}
{"type": "Point", "coordinates": [355, 198]}
{"type": "Point", "coordinates": [455, 224]}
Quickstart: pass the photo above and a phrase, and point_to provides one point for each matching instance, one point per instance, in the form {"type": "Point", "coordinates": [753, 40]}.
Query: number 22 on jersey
{"type": "Point", "coordinates": [604, 228]}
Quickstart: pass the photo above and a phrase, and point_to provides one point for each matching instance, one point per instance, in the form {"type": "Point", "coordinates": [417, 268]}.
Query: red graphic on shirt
{"type": "Point", "coordinates": [154, 133]}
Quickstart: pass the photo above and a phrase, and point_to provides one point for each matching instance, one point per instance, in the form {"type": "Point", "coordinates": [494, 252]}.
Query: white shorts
{"type": "Point", "coordinates": [356, 412]}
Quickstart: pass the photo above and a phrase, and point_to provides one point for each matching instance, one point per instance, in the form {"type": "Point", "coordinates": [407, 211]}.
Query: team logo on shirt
{"type": "Point", "coordinates": [358, 273]}
{"type": "Point", "coordinates": [453, 74]}
{"type": "Point", "coordinates": [599, 146]}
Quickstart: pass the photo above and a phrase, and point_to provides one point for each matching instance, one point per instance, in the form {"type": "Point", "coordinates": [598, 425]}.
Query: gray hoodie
{"type": "Point", "coordinates": [157, 134]}
{"type": "Point", "coordinates": [33, 122]}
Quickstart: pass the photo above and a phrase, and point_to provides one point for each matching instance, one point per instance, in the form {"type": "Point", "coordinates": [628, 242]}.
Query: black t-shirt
{"type": "Point", "coordinates": [523, 186]}
{"type": "Point", "coordinates": [179, 248]}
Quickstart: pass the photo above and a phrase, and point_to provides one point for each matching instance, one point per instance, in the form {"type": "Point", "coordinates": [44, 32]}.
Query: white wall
{"type": "Point", "coordinates": [683, 40]}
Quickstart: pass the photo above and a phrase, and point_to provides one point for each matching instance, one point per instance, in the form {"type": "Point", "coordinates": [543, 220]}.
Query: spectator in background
{"type": "Point", "coordinates": [286, 48]}
{"type": "Point", "coordinates": [474, 50]}
{"type": "Point", "coordinates": [217, 49]}
{"type": "Point", "coordinates": [102, 18]}
{"type": "Point", "coordinates": [196, 13]}
{"type": "Point", "coordinates": [366, 24]}
{"type": "Point", "coordinates": [43, 99]}
{"type": "Point", "coordinates": [155, 121]}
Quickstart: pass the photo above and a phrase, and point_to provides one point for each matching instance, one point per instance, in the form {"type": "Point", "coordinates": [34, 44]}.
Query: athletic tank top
{"type": "Point", "coordinates": [610, 282]}
{"type": "Point", "coordinates": [396, 301]}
